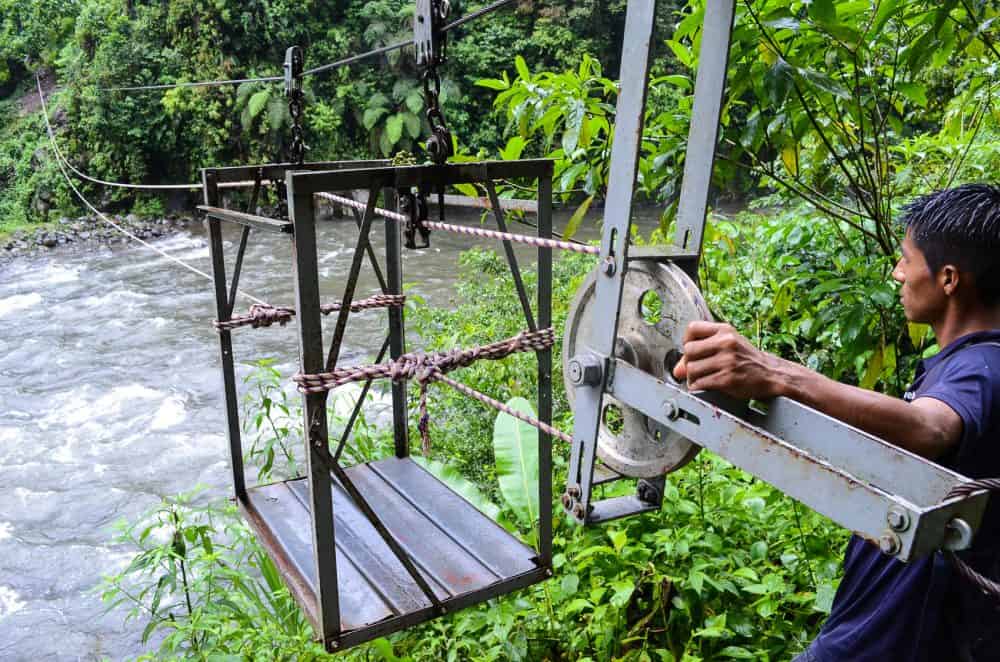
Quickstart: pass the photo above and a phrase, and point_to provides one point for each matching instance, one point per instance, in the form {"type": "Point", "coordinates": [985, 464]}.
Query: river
{"type": "Point", "coordinates": [111, 398]}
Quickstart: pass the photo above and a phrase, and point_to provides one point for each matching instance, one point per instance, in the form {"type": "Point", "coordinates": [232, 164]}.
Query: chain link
{"type": "Point", "coordinates": [294, 64]}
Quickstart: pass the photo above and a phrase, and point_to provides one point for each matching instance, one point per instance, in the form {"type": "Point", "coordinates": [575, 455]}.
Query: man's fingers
{"type": "Point", "coordinates": [680, 370]}
{"type": "Point", "coordinates": [698, 330]}
{"type": "Point", "coordinates": [704, 369]}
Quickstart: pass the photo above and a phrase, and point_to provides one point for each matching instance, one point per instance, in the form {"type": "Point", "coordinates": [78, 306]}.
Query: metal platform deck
{"type": "Point", "coordinates": [464, 555]}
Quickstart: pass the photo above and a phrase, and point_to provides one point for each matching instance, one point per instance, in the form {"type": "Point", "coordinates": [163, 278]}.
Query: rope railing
{"type": "Point", "coordinates": [538, 242]}
{"type": "Point", "coordinates": [429, 368]}
{"type": "Point", "coordinates": [263, 315]}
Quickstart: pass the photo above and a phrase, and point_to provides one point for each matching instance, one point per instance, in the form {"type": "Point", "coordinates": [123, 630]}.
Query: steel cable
{"type": "Point", "coordinates": [988, 586]}
{"type": "Point", "coordinates": [62, 168]}
{"type": "Point", "coordinates": [315, 70]}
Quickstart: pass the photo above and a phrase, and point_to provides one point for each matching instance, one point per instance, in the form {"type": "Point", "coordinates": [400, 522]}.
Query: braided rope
{"type": "Point", "coordinates": [988, 586]}
{"type": "Point", "coordinates": [429, 368]}
{"type": "Point", "coordinates": [263, 315]}
{"type": "Point", "coordinates": [537, 242]}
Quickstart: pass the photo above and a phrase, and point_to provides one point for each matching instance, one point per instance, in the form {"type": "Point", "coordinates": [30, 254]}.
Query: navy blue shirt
{"type": "Point", "coordinates": [889, 611]}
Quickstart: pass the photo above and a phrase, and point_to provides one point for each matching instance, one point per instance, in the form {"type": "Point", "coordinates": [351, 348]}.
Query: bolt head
{"type": "Point", "coordinates": [899, 520]}
{"type": "Point", "coordinates": [578, 511]}
{"type": "Point", "coordinates": [670, 410]}
{"type": "Point", "coordinates": [567, 501]}
{"type": "Point", "coordinates": [889, 543]}
{"type": "Point", "coordinates": [609, 267]}
{"type": "Point", "coordinates": [574, 492]}
{"type": "Point", "coordinates": [584, 371]}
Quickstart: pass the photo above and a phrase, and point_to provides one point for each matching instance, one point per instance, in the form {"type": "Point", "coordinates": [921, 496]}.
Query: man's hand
{"type": "Point", "coordinates": [717, 358]}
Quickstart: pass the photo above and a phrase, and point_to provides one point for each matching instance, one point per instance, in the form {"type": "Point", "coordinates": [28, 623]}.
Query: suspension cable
{"type": "Point", "coordinates": [60, 161]}
{"type": "Point", "coordinates": [375, 52]}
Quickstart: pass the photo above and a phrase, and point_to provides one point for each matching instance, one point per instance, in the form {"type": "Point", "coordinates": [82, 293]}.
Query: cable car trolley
{"type": "Point", "coordinates": [377, 547]}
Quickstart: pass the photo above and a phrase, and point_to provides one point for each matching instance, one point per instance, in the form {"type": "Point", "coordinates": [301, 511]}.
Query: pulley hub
{"type": "Point", "coordinates": [658, 302]}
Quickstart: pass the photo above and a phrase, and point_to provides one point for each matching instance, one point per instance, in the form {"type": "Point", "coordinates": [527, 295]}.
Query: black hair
{"type": "Point", "coordinates": [961, 227]}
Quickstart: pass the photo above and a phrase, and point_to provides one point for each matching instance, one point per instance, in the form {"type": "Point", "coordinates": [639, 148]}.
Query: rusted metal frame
{"type": "Point", "coordinates": [223, 311]}
{"type": "Point", "coordinates": [277, 171]}
{"type": "Point", "coordinates": [839, 471]}
{"type": "Point", "coordinates": [390, 625]}
{"type": "Point", "coordinates": [358, 406]}
{"type": "Point", "coordinates": [250, 220]}
{"type": "Point", "coordinates": [352, 282]}
{"type": "Point", "coordinates": [397, 335]}
{"type": "Point", "coordinates": [372, 259]}
{"type": "Point", "coordinates": [407, 176]}
{"type": "Point", "coordinates": [241, 252]}
{"type": "Point", "coordinates": [614, 250]}
{"type": "Point", "coordinates": [544, 361]}
{"type": "Point", "coordinates": [386, 535]}
{"type": "Point", "coordinates": [508, 248]}
{"type": "Point", "coordinates": [331, 363]}
{"type": "Point", "coordinates": [309, 321]}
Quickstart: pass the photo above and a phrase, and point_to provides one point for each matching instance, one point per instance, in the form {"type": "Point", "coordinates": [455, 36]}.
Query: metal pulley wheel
{"type": "Point", "coordinates": [658, 302]}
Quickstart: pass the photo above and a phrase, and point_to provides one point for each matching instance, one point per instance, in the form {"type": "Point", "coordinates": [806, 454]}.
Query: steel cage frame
{"type": "Point", "coordinates": [302, 182]}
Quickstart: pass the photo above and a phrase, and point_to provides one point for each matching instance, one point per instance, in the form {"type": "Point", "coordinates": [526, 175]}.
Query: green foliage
{"type": "Point", "coordinates": [515, 449]}
{"type": "Point", "coordinates": [203, 587]}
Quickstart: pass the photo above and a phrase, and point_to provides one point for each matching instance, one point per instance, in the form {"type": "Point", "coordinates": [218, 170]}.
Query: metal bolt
{"type": "Point", "coordinates": [578, 511]}
{"type": "Point", "coordinates": [567, 501]}
{"type": "Point", "coordinates": [898, 519]}
{"type": "Point", "coordinates": [584, 370]}
{"type": "Point", "coordinates": [671, 411]}
{"type": "Point", "coordinates": [574, 492]}
{"type": "Point", "coordinates": [609, 266]}
{"type": "Point", "coordinates": [957, 535]}
{"type": "Point", "coordinates": [889, 543]}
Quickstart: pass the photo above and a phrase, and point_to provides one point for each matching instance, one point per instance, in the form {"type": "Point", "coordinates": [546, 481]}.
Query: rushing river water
{"type": "Point", "coordinates": [111, 398]}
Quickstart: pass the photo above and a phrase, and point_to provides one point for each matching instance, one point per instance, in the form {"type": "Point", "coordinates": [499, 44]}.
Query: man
{"type": "Point", "coordinates": [949, 276]}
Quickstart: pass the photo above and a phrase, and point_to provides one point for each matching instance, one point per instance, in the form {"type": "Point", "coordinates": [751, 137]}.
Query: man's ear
{"type": "Point", "coordinates": [949, 278]}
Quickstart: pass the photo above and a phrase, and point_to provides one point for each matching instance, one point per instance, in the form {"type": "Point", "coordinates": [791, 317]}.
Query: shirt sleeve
{"type": "Point", "coordinates": [967, 383]}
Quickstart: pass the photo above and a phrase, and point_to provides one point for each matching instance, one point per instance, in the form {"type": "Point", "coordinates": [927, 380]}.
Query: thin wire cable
{"type": "Point", "coordinates": [60, 162]}
{"type": "Point", "coordinates": [357, 58]}
{"type": "Point", "coordinates": [203, 83]}
{"type": "Point", "coordinates": [477, 14]}
{"type": "Point", "coordinates": [315, 70]}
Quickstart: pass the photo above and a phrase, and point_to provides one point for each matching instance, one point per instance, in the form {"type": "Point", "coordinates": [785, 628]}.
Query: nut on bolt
{"type": "Point", "coordinates": [578, 511]}
{"type": "Point", "coordinates": [898, 519]}
{"type": "Point", "coordinates": [584, 370]}
{"type": "Point", "coordinates": [889, 543]}
{"type": "Point", "coordinates": [609, 266]}
{"type": "Point", "coordinates": [671, 410]}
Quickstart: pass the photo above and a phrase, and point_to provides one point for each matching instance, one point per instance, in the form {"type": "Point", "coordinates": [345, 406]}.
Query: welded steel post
{"type": "Point", "coordinates": [544, 372]}
{"type": "Point", "coordinates": [709, 89]}
{"type": "Point", "coordinates": [223, 310]}
{"type": "Point", "coordinates": [397, 330]}
{"type": "Point", "coordinates": [308, 319]}
{"type": "Point", "coordinates": [614, 247]}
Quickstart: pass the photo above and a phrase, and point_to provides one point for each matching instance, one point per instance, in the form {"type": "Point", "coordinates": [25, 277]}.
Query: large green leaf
{"type": "Point", "coordinates": [515, 447]}
{"type": "Point", "coordinates": [574, 221]}
{"type": "Point", "coordinates": [258, 101]}
{"type": "Point", "coordinates": [394, 128]}
{"type": "Point", "coordinates": [459, 484]}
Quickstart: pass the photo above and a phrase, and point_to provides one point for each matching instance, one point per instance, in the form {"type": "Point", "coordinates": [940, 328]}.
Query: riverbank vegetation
{"type": "Point", "coordinates": [837, 114]}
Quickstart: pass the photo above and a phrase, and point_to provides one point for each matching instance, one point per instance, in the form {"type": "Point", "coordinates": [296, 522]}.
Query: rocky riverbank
{"type": "Point", "coordinates": [88, 230]}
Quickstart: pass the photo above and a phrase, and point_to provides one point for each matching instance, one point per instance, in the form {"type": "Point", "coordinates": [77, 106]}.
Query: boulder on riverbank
{"type": "Point", "coordinates": [89, 230]}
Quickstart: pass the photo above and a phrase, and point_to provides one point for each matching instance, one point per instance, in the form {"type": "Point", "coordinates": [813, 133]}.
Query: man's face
{"type": "Point", "coordinates": [922, 295]}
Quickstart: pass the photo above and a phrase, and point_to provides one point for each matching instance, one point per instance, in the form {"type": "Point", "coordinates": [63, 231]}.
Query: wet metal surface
{"type": "Point", "coordinates": [456, 548]}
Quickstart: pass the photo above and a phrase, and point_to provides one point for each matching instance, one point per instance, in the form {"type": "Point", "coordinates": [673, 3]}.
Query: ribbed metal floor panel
{"type": "Point", "coordinates": [464, 555]}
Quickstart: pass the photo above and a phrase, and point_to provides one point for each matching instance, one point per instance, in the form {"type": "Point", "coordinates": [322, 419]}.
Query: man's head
{"type": "Point", "coordinates": [951, 253]}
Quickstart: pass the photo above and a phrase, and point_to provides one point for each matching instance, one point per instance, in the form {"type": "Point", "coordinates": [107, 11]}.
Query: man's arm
{"type": "Point", "coordinates": [717, 358]}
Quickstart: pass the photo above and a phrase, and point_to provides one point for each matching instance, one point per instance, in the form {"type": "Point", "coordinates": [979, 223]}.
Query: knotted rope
{"type": "Point", "coordinates": [264, 315]}
{"type": "Point", "coordinates": [428, 368]}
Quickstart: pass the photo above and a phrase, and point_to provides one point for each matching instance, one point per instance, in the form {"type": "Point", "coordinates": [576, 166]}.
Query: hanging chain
{"type": "Point", "coordinates": [439, 145]}
{"type": "Point", "coordinates": [294, 64]}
